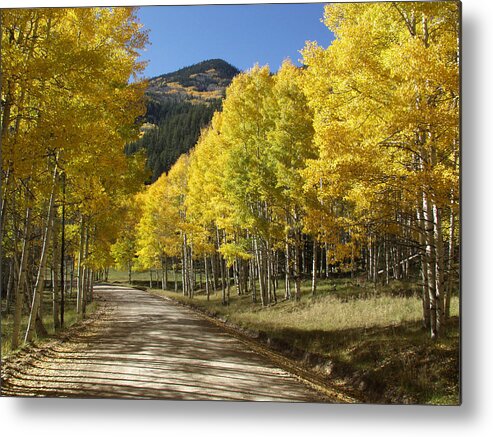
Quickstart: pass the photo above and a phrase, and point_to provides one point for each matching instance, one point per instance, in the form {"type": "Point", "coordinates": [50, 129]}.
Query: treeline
{"type": "Point", "coordinates": [348, 165]}
{"type": "Point", "coordinates": [177, 128]}
{"type": "Point", "coordinates": [67, 112]}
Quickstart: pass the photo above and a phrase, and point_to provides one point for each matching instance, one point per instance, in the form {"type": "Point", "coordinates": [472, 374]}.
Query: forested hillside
{"type": "Point", "coordinates": [180, 105]}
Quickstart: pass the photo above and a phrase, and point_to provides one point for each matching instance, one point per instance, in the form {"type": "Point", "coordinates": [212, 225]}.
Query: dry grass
{"type": "Point", "coordinates": [345, 307]}
{"type": "Point", "coordinates": [330, 313]}
{"type": "Point", "coordinates": [371, 339]}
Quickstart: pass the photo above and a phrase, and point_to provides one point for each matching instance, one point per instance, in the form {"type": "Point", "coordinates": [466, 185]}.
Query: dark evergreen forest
{"type": "Point", "coordinates": [178, 129]}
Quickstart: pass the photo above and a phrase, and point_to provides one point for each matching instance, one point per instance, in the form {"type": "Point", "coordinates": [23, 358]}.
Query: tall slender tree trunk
{"type": "Point", "coordinates": [287, 284]}
{"type": "Point", "coordinates": [72, 273]}
{"type": "Point", "coordinates": [191, 271]}
{"type": "Point", "coordinates": [79, 267]}
{"type": "Point", "coordinates": [56, 283]}
{"type": "Point", "coordinates": [296, 268]}
{"type": "Point", "coordinates": [376, 260]}
{"type": "Point", "coordinates": [261, 280]}
{"type": "Point", "coordinates": [353, 261]}
{"type": "Point", "coordinates": [327, 260]}
{"type": "Point", "coordinates": [175, 276]}
{"type": "Point", "coordinates": [10, 284]}
{"type": "Point", "coordinates": [304, 267]}
{"type": "Point", "coordinates": [200, 274]}
{"type": "Point", "coordinates": [246, 274]}
{"type": "Point", "coordinates": [236, 276]}
{"type": "Point", "coordinates": [164, 282]}
{"type": "Point", "coordinates": [424, 271]}
{"type": "Point", "coordinates": [85, 272]}
{"type": "Point", "coordinates": [14, 257]}
{"type": "Point", "coordinates": [387, 260]}
{"type": "Point", "coordinates": [440, 268]}
{"type": "Point", "coordinates": [314, 267]}
{"type": "Point", "coordinates": [228, 281]}
{"type": "Point", "coordinates": [62, 257]}
{"type": "Point", "coordinates": [91, 285]}
{"type": "Point", "coordinates": [431, 263]}
{"type": "Point", "coordinates": [207, 285]}
{"type": "Point", "coordinates": [184, 266]}
{"type": "Point", "coordinates": [450, 263]}
{"type": "Point", "coordinates": [19, 294]}
{"type": "Point", "coordinates": [38, 289]}
{"type": "Point", "coordinates": [253, 280]}
{"type": "Point", "coordinates": [451, 247]}
{"type": "Point", "coordinates": [214, 273]}
{"type": "Point", "coordinates": [222, 268]}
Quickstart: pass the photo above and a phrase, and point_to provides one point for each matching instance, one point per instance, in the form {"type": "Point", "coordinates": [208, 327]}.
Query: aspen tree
{"type": "Point", "coordinates": [389, 83]}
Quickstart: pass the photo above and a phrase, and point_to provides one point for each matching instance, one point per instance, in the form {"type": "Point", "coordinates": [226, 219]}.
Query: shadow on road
{"type": "Point", "coordinates": [151, 349]}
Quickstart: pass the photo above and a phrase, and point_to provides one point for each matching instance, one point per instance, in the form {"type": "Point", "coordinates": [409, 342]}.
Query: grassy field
{"type": "Point", "coordinates": [143, 278]}
{"type": "Point", "coordinates": [369, 340]}
{"type": "Point", "coordinates": [70, 318]}
{"type": "Point", "coordinates": [122, 276]}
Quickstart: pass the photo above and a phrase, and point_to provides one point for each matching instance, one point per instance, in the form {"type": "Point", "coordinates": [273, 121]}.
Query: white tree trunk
{"type": "Point", "coordinates": [440, 268]}
{"type": "Point", "coordinates": [207, 285]}
{"type": "Point", "coordinates": [296, 268]}
{"type": "Point", "coordinates": [424, 270]}
{"type": "Point", "coordinates": [79, 267]}
{"type": "Point", "coordinates": [451, 255]}
{"type": "Point", "coordinates": [19, 294]}
{"type": "Point", "coordinates": [287, 294]}
{"type": "Point", "coordinates": [85, 272]}
{"type": "Point", "coordinates": [314, 267]}
{"type": "Point", "coordinates": [39, 286]}
{"type": "Point", "coordinates": [431, 262]}
{"type": "Point", "coordinates": [184, 266]}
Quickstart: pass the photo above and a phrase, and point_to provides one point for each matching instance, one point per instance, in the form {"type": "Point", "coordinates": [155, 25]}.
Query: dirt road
{"type": "Point", "coordinates": [145, 347]}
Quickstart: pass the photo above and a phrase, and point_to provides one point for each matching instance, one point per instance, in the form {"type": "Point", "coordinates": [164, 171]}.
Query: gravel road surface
{"type": "Point", "coordinates": [145, 347]}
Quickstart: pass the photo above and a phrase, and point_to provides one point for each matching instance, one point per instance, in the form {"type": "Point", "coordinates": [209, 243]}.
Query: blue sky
{"type": "Point", "coordinates": [240, 34]}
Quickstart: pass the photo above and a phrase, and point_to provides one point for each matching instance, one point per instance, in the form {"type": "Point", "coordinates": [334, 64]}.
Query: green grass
{"type": "Point", "coordinates": [70, 318]}
{"type": "Point", "coordinates": [370, 338]}
{"type": "Point", "coordinates": [143, 277]}
{"type": "Point", "coordinates": [122, 276]}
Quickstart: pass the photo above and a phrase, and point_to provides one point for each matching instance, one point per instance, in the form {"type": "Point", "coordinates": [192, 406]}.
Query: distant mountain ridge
{"type": "Point", "coordinates": [179, 105]}
{"type": "Point", "coordinates": [201, 82]}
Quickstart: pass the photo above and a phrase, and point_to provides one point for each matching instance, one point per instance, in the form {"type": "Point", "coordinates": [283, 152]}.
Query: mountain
{"type": "Point", "coordinates": [179, 105]}
{"type": "Point", "coordinates": [200, 82]}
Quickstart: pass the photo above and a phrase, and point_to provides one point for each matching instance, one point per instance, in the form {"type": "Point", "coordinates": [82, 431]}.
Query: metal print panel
{"type": "Point", "coordinates": [262, 205]}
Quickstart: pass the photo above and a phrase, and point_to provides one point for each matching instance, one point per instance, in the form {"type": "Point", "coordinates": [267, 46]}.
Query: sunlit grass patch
{"type": "Point", "coordinates": [71, 317]}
